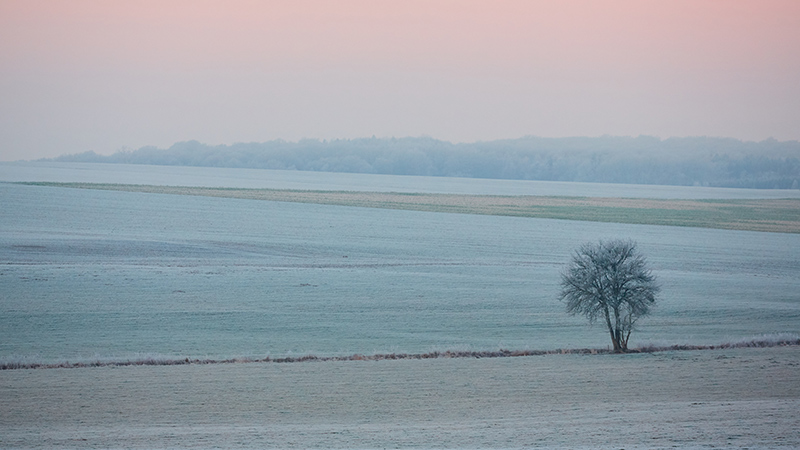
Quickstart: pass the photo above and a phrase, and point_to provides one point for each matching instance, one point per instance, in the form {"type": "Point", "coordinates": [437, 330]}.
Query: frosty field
{"type": "Point", "coordinates": [774, 215]}
{"type": "Point", "coordinates": [740, 398]}
{"type": "Point", "coordinates": [91, 275]}
{"type": "Point", "coordinates": [118, 275]}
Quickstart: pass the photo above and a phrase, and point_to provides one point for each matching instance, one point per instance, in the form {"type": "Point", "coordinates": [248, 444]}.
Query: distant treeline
{"type": "Point", "coordinates": [723, 162]}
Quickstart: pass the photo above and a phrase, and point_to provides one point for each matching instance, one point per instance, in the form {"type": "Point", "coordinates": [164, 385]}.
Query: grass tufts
{"type": "Point", "coordinates": [765, 341]}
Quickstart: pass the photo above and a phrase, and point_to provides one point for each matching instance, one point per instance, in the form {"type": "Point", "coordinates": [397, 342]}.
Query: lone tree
{"type": "Point", "coordinates": [611, 281]}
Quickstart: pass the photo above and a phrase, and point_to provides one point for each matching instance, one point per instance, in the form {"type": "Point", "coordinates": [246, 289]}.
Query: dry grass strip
{"type": "Point", "coordinates": [771, 215]}
{"type": "Point", "coordinates": [502, 353]}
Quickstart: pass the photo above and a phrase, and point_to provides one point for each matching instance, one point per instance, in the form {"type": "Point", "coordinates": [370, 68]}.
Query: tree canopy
{"type": "Point", "coordinates": [610, 281]}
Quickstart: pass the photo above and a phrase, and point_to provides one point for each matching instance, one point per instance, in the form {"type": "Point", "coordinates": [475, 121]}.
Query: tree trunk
{"type": "Point", "coordinates": [625, 338]}
{"type": "Point", "coordinates": [619, 343]}
{"type": "Point", "coordinates": [612, 330]}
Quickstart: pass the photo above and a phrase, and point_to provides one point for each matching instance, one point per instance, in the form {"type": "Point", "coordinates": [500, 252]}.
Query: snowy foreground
{"type": "Point", "coordinates": [734, 398]}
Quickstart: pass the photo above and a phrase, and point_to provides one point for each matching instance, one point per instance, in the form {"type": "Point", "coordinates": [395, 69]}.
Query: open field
{"type": "Point", "coordinates": [96, 275]}
{"type": "Point", "coordinates": [42, 171]}
{"type": "Point", "coordinates": [772, 215]}
{"type": "Point", "coordinates": [733, 398]}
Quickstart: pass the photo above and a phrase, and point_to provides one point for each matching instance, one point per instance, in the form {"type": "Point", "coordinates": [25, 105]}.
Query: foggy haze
{"type": "Point", "coordinates": [716, 162]}
{"type": "Point", "coordinates": [90, 75]}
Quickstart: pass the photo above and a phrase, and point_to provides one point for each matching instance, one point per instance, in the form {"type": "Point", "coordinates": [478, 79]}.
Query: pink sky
{"type": "Point", "coordinates": [99, 75]}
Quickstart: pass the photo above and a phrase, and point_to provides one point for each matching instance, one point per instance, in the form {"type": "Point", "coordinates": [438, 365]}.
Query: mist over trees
{"type": "Point", "coordinates": [721, 162]}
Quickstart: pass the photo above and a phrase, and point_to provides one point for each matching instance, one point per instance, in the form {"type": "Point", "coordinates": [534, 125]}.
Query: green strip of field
{"type": "Point", "coordinates": [773, 215]}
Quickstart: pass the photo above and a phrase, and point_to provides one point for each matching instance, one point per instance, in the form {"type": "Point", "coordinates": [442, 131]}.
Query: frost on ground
{"type": "Point", "coordinates": [33, 362]}
{"type": "Point", "coordinates": [733, 397]}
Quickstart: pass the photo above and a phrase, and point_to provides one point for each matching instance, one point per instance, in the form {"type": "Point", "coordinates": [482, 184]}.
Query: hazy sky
{"type": "Point", "coordinates": [83, 75]}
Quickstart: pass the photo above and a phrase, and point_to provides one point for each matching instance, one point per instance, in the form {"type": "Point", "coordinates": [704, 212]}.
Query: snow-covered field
{"type": "Point", "coordinates": [733, 398]}
{"type": "Point", "coordinates": [119, 276]}
{"type": "Point", "coordinates": [330, 181]}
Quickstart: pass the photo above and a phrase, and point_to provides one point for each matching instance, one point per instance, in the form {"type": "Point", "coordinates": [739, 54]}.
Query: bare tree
{"type": "Point", "coordinates": [610, 281]}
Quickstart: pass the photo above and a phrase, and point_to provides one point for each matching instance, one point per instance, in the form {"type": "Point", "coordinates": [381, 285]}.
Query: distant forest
{"type": "Point", "coordinates": [703, 161]}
